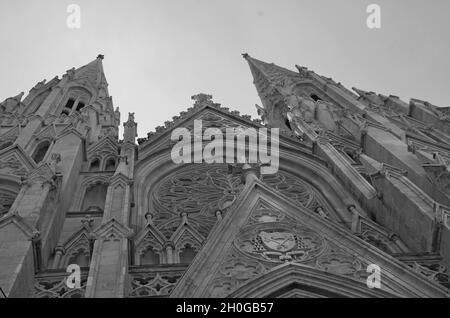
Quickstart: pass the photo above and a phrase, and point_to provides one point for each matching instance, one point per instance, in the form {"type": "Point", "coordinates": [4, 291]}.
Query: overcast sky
{"type": "Point", "coordinates": [158, 53]}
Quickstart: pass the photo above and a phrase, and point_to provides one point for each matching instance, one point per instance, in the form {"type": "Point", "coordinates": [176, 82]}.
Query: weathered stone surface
{"type": "Point", "coordinates": [363, 179]}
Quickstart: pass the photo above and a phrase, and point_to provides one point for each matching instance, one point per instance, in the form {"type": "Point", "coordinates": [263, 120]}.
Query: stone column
{"type": "Point", "coordinates": [59, 252]}
{"type": "Point", "coordinates": [169, 251]}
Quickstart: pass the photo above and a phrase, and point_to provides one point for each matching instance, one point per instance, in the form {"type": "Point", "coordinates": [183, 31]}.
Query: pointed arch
{"type": "Point", "coordinates": [95, 197]}
{"type": "Point", "coordinates": [77, 249]}
{"type": "Point", "coordinates": [94, 165]}
{"type": "Point", "coordinates": [240, 248]}
{"type": "Point", "coordinates": [83, 191]}
{"type": "Point", "coordinates": [187, 242]}
{"type": "Point", "coordinates": [110, 164]}
{"type": "Point", "coordinates": [149, 247]}
{"type": "Point", "coordinates": [302, 281]}
{"type": "Point", "coordinates": [41, 151]}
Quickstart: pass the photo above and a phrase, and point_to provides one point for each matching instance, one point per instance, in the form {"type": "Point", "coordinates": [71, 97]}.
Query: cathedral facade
{"type": "Point", "coordinates": [359, 207]}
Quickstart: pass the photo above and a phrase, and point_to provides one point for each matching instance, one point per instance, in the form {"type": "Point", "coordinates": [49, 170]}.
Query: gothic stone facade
{"type": "Point", "coordinates": [363, 179]}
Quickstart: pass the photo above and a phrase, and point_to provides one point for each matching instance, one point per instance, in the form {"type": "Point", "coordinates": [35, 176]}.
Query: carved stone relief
{"type": "Point", "coordinates": [201, 190]}
{"type": "Point", "coordinates": [269, 239]}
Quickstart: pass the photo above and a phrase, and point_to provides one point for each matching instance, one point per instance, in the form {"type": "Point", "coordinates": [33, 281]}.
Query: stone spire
{"type": "Point", "coordinates": [270, 81]}
{"type": "Point", "coordinates": [93, 72]}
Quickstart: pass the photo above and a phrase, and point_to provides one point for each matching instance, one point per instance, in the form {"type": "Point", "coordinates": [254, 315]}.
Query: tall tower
{"type": "Point", "coordinates": [46, 140]}
{"type": "Point", "coordinates": [391, 155]}
{"type": "Point", "coordinates": [361, 180]}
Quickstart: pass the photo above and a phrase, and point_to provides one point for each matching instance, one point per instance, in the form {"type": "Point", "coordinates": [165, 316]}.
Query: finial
{"type": "Point", "coordinates": [202, 99]}
{"type": "Point", "coordinates": [245, 55]}
{"type": "Point", "coordinates": [101, 56]}
{"type": "Point", "coordinates": [149, 217]}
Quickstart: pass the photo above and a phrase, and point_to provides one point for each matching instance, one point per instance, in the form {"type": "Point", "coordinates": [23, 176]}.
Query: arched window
{"type": "Point", "coordinates": [81, 258]}
{"type": "Point", "coordinates": [187, 254]}
{"type": "Point", "coordinates": [69, 105]}
{"type": "Point", "coordinates": [110, 164]}
{"type": "Point", "coordinates": [94, 198]}
{"type": "Point", "coordinates": [95, 165]}
{"type": "Point", "coordinates": [80, 106]}
{"type": "Point", "coordinates": [5, 145]}
{"type": "Point", "coordinates": [41, 151]}
{"type": "Point", "coordinates": [150, 257]}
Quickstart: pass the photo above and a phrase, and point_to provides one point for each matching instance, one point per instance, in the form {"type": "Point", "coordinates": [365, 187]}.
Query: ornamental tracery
{"type": "Point", "coordinates": [199, 191]}
{"type": "Point", "coordinates": [149, 246]}
{"type": "Point", "coordinates": [279, 242]}
{"type": "Point", "coordinates": [54, 285]}
{"type": "Point", "coordinates": [146, 282]}
{"type": "Point", "coordinates": [202, 190]}
{"type": "Point", "coordinates": [270, 238]}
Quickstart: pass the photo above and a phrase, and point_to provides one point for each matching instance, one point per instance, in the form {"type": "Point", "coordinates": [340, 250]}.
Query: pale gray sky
{"type": "Point", "coordinates": [158, 53]}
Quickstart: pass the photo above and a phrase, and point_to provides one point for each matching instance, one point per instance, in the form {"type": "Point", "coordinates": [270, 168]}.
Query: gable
{"type": "Point", "coordinates": [266, 231]}
{"type": "Point", "coordinates": [14, 161]}
{"type": "Point", "coordinates": [103, 148]}
{"type": "Point", "coordinates": [211, 116]}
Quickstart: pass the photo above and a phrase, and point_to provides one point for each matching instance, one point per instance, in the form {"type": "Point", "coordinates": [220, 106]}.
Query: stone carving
{"type": "Point", "coordinates": [264, 213]}
{"type": "Point", "coordinates": [377, 239]}
{"type": "Point", "coordinates": [201, 190]}
{"type": "Point", "coordinates": [295, 189]}
{"type": "Point", "coordinates": [212, 120]}
{"type": "Point", "coordinates": [153, 284]}
{"type": "Point", "coordinates": [54, 286]}
{"type": "Point", "coordinates": [77, 247]}
{"type": "Point", "coordinates": [149, 243]}
{"type": "Point", "coordinates": [279, 242]}
{"type": "Point", "coordinates": [270, 238]}
{"type": "Point", "coordinates": [434, 271]}
{"type": "Point", "coordinates": [12, 104]}
{"type": "Point", "coordinates": [202, 99]}
{"type": "Point", "coordinates": [340, 264]}
{"type": "Point", "coordinates": [234, 273]}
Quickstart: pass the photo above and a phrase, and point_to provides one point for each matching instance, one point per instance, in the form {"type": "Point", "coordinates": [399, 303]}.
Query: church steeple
{"type": "Point", "coordinates": [93, 72]}
{"type": "Point", "coordinates": [269, 80]}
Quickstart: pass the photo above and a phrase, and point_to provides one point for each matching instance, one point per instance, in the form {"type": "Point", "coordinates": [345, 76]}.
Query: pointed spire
{"type": "Point", "coordinates": [269, 70]}
{"type": "Point", "coordinates": [92, 71]}
{"type": "Point", "coordinates": [269, 80]}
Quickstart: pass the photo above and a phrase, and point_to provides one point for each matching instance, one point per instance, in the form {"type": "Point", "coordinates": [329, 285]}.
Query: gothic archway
{"type": "Point", "coordinates": [202, 190]}
{"type": "Point", "coordinates": [295, 280]}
